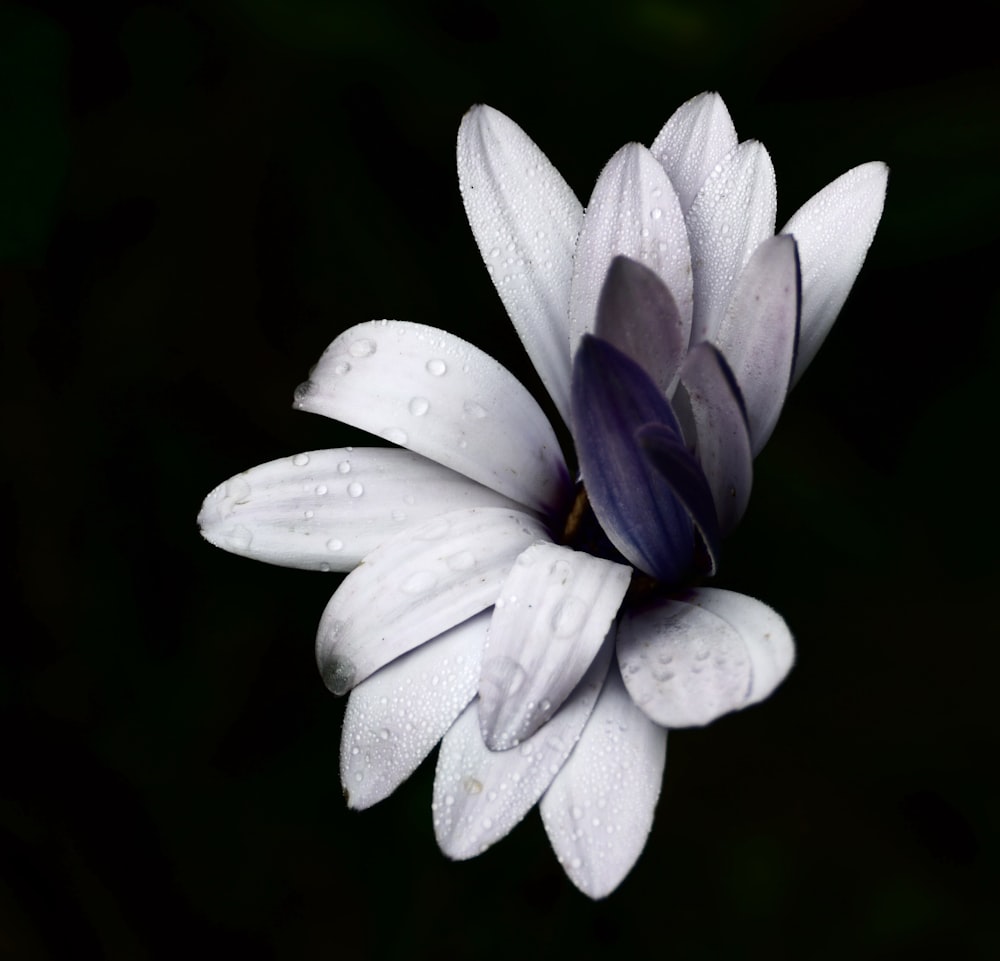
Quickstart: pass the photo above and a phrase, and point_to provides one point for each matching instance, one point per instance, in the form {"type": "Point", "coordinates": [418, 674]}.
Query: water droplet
{"type": "Point", "coordinates": [300, 460]}
{"type": "Point", "coordinates": [334, 544]}
{"type": "Point", "coordinates": [419, 582]}
{"type": "Point", "coordinates": [322, 489]}
{"type": "Point", "coordinates": [576, 863]}
{"type": "Point", "coordinates": [302, 392]}
{"type": "Point", "coordinates": [419, 406]}
{"type": "Point", "coordinates": [325, 568]}
{"type": "Point", "coordinates": [355, 489]}
{"type": "Point", "coordinates": [341, 368]}
{"type": "Point", "coordinates": [384, 734]}
{"type": "Point", "coordinates": [308, 515]}
{"type": "Point", "coordinates": [395, 435]}
{"type": "Point", "coordinates": [471, 409]}
{"type": "Point", "coordinates": [239, 538]}
{"type": "Point", "coordinates": [344, 467]}
{"type": "Point", "coordinates": [364, 347]}
{"type": "Point", "coordinates": [472, 786]}
{"type": "Point", "coordinates": [568, 617]}
{"type": "Point", "coordinates": [436, 367]}
{"type": "Point", "coordinates": [338, 674]}
{"type": "Point", "coordinates": [656, 213]}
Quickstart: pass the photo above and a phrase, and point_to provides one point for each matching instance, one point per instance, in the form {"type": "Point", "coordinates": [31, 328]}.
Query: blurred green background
{"type": "Point", "coordinates": [196, 198]}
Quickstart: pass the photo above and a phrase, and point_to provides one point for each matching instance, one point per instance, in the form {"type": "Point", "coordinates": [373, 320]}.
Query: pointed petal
{"type": "Point", "coordinates": [732, 213]}
{"type": "Point", "coordinates": [834, 231]}
{"type": "Point", "coordinates": [417, 585]}
{"type": "Point", "coordinates": [525, 219]}
{"type": "Point", "coordinates": [759, 332]}
{"type": "Point", "coordinates": [612, 399]}
{"type": "Point", "coordinates": [481, 795]}
{"type": "Point", "coordinates": [687, 662]}
{"type": "Point", "coordinates": [394, 719]}
{"type": "Point", "coordinates": [692, 142]}
{"type": "Point", "coordinates": [633, 211]}
{"type": "Point", "coordinates": [325, 510]}
{"type": "Point", "coordinates": [553, 613]}
{"type": "Point", "coordinates": [432, 392]}
{"type": "Point", "coordinates": [710, 409]}
{"type": "Point", "coordinates": [637, 314]}
{"type": "Point", "coordinates": [599, 810]}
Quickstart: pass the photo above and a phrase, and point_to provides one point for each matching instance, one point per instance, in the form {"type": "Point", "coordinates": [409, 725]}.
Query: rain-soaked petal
{"type": "Point", "coordinates": [432, 392]}
{"type": "Point", "coordinates": [612, 399]}
{"type": "Point", "coordinates": [525, 219]}
{"type": "Point", "coordinates": [481, 795]}
{"type": "Point", "coordinates": [396, 717]}
{"type": "Point", "coordinates": [551, 617]}
{"type": "Point", "coordinates": [759, 332]}
{"type": "Point", "coordinates": [637, 314]}
{"type": "Point", "coordinates": [599, 810]}
{"type": "Point", "coordinates": [417, 585]}
{"type": "Point", "coordinates": [834, 230]}
{"type": "Point", "coordinates": [733, 212]}
{"type": "Point", "coordinates": [632, 211]}
{"type": "Point", "coordinates": [325, 510]}
{"type": "Point", "coordinates": [687, 662]}
{"type": "Point", "coordinates": [692, 142]}
{"type": "Point", "coordinates": [711, 413]}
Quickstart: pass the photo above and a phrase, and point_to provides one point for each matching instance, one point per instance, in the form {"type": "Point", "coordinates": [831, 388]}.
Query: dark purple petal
{"type": "Point", "coordinates": [637, 314]}
{"type": "Point", "coordinates": [612, 398]}
{"type": "Point", "coordinates": [710, 408]}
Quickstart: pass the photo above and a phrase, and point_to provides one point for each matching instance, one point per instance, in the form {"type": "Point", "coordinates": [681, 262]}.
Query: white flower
{"type": "Point", "coordinates": [547, 635]}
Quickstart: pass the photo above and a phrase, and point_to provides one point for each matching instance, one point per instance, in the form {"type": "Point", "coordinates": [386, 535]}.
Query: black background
{"type": "Point", "coordinates": [196, 198]}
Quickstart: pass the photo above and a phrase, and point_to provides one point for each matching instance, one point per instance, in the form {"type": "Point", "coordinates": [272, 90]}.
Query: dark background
{"type": "Point", "coordinates": [196, 198]}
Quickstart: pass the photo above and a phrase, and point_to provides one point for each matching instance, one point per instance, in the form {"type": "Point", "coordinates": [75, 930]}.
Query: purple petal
{"type": "Point", "coordinates": [759, 332]}
{"type": "Point", "coordinates": [612, 399]}
{"type": "Point", "coordinates": [637, 314]}
{"type": "Point", "coordinates": [710, 410]}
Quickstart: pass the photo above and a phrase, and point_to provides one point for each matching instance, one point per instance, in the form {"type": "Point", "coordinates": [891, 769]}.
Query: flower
{"type": "Point", "coordinates": [549, 633]}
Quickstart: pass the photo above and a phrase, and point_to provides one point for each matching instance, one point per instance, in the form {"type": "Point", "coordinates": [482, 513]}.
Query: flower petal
{"type": "Point", "coordinates": [325, 510]}
{"type": "Point", "coordinates": [759, 332]}
{"type": "Point", "coordinates": [834, 231]}
{"type": "Point", "coordinates": [637, 314]}
{"type": "Point", "coordinates": [696, 138]}
{"type": "Point", "coordinates": [481, 795]}
{"type": "Point", "coordinates": [732, 213]}
{"type": "Point", "coordinates": [612, 399]}
{"type": "Point", "coordinates": [599, 810]}
{"type": "Point", "coordinates": [553, 613]}
{"type": "Point", "coordinates": [687, 662]}
{"type": "Point", "coordinates": [633, 211]}
{"type": "Point", "coordinates": [431, 391]}
{"type": "Point", "coordinates": [710, 409]}
{"type": "Point", "coordinates": [417, 585]}
{"type": "Point", "coordinates": [394, 719]}
{"type": "Point", "coordinates": [525, 219]}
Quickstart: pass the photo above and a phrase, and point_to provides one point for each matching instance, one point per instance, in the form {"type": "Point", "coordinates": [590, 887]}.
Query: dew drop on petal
{"type": "Point", "coordinates": [364, 347]}
{"type": "Point", "coordinates": [419, 582]}
{"type": "Point", "coordinates": [436, 367]}
{"type": "Point", "coordinates": [344, 467]}
{"type": "Point", "coordinates": [471, 409]}
{"type": "Point", "coordinates": [302, 392]}
{"type": "Point", "coordinates": [355, 489]}
{"type": "Point", "coordinates": [338, 674]}
{"type": "Point", "coordinates": [419, 406]}
{"type": "Point", "coordinates": [322, 489]}
{"type": "Point", "coordinates": [462, 561]}
{"type": "Point", "coordinates": [335, 544]}
{"type": "Point", "coordinates": [300, 460]}
{"type": "Point", "coordinates": [341, 368]}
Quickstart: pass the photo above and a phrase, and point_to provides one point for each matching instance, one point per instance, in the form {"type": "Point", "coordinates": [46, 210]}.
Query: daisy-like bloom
{"type": "Point", "coordinates": [542, 620]}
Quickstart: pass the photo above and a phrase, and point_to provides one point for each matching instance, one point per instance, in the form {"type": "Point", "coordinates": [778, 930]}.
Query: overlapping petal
{"type": "Point", "coordinates": [325, 510]}
{"type": "Point", "coordinates": [432, 392]}
{"type": "Point", "coordinates": [415, 586]}
{"type": "Point", "coordinates": [525, 219]}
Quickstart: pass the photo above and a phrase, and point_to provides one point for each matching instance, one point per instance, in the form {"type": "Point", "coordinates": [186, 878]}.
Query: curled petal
{"type": "Point", "coordinates": [759, 332]}
{"type": "Point", "coordinates": [599, 810]}
{"type": "Point", "coordinates": [432, 392]}
{"type": "Point", "coordinates": [394, 719]}
{"type": "Point", "coordinates": [711, 411]}
{"type": "Point", "coordinates": [834, 230]}
{"type": "Point", "coordinates": [687, 662]}
{"type": "Point", "coordinates": [525, 219]}
{"type": "Point", "coordinates": [696, 138]}
{"type": "Point", "coordinates": [637, 314]}
{"type": "Point", "coordinates": [733, 212]}
{"type": "Point", "coordinates": [481, 795]}
{"type": "Point", "coordinates": [326, 509]}
{"type": "Point", "coordinates": [553, 613]}
{"type": "Point", "coordinates": [633, 211]}
{"type": "Point", "coordinates": [417, 585]}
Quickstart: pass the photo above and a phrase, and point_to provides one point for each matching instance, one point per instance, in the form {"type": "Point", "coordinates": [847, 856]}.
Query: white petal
{"type": "Point", "coordinates": [732, 213]}
{"type": "Point", "coordinates": [685, 663]}
{"type": "Point", "coordinates": [394, 719]}
{"type": "Point", "coordinates": [417, 585]}
{"type": "Point", "coordinates": [599, 810]}
{"type": "Point", "coordinates": [554, 611]}
{"type": "Point", "coordinates": [696, 138]}
{"type": "Point", "coordinates": [481, 795]}
{"type": "Point", "coordinates": [325, 510]}
{"type": "Point", "coordinates": [633, 211]}
{"type": "Point", "coordinates": [431, 391]}
{"type": "Point", "coordinates": [525, 219]}
{"type": "Point", "coordinates": [758, 332]}
{"type": "Point", "coordinates": [834, 231]}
